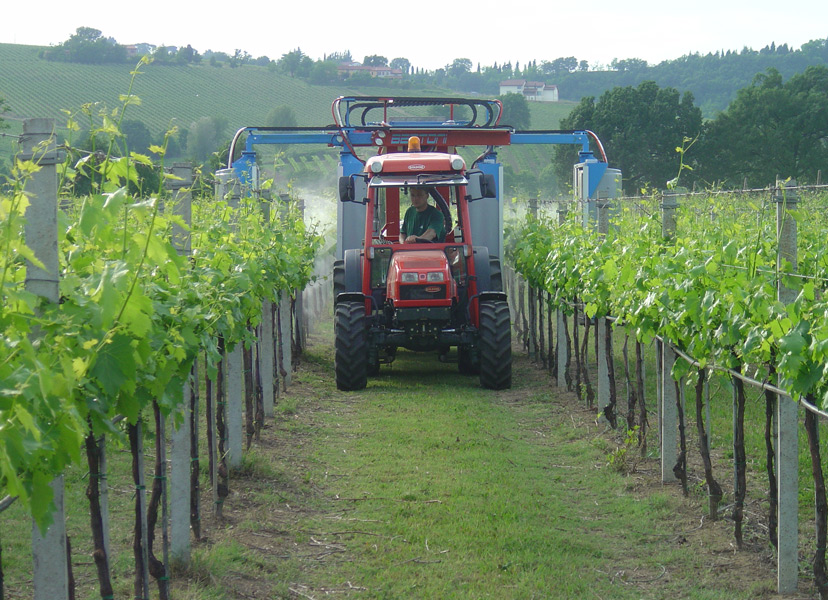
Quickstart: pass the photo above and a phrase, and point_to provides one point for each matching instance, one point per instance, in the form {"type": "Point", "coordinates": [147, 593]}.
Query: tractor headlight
{"type": "Point", "coordinates": [409, 278]}
{"type": "Point", "coordinates": [376, 166]}
{"type": "Point", "coordinates": [457, 163]}
{"type": "Point", "coordinates": [434, 276]}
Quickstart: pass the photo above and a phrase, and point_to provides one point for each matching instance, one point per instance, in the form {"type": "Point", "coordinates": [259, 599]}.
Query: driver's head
{"type": "Point", "coordinates": [419, 193]}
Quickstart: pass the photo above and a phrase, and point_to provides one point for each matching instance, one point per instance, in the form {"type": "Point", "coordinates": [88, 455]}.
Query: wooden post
{"type": "Point", "coordinates": [787, 411]}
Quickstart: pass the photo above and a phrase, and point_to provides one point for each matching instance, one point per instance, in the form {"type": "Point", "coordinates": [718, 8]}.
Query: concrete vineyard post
{"type": "Point", "coordinates": [284, 313]}
{"type": "Point", "coordinates": [50, 573]}
{"type": "Point", "coordinates": [229, 189]}
{"type": "Point", "coordinates": [298, 306]}
{"type": "Point", "coordinates": [532, 307]}
{"type": "Point", "coordinates": [181, 438]}
{"type": "Point", "coordinates": [787, 411]}
{"type": "Point", "coordinates": [266, 346]}
{"type": "Point", "coordinates": [563, 348]}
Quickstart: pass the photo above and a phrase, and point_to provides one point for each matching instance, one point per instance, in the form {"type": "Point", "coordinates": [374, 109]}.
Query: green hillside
{"type": "Point", "coordinates": [38, 88]}
{"type": "Point", "coordinates": [181, 95]}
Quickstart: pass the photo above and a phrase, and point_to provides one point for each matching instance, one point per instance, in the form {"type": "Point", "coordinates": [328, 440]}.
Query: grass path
{"type": "Point", "coordinates": [426, 486]}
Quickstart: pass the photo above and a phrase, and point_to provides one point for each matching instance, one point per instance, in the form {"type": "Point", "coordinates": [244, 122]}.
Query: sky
{"type": "Point", "coordinates": [430, 33]}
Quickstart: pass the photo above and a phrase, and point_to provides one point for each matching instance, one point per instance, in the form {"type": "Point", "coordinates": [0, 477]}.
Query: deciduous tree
{"type": "Point", "coordinates": [4, 108]}
{"type": "Point", "coordinates": [515, 111]}
{"type": "Point", "coordinates": [402, 64]}
{"type": "Point", "coordinates": [460, 66]}
{"type": "Point", "coordinates": [640, 128]}
{"type": "Point", "coordinates": [291, 61]}
{"type": "Point", "coordinates": [281, 116]}
{"type": "Point", "coordinates": [138, 135]}
{"type": "Point", "coordinates": [771, 128]}
{"type": "Point", "coordinates": [205, 136]}
{"type": "Point", "coordinates": [322, 72]}
{"type": "Point", "coordinates": [375, 60]}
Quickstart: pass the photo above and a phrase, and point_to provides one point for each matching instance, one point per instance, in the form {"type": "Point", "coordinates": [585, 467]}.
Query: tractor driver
{"type": "Point", "coordinates": [422, 221]}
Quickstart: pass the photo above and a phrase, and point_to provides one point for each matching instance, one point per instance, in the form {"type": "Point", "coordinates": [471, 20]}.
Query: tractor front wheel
{"type": "Point", "coordinates": [351, 356]}
{"type": "Point", "coordinates": [495, 343]}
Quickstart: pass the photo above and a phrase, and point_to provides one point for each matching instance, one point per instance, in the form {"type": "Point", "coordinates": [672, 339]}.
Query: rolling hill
{"type": "Point", "coordinates": [170, 95]}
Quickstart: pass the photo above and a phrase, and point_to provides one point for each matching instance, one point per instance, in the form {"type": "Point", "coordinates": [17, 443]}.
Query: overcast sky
{"type": "Point", "coordinates": [430, 34]}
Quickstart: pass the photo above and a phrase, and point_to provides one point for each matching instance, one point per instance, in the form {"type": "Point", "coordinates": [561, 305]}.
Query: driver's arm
{"type": "Point", "coordinates": [428, 235]}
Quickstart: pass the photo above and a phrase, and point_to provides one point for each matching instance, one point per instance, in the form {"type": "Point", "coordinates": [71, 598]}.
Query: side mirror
{"type": "Point", "coordinates": [346, 189]}
{"type": "Point", "coordinates": [353, 188]}
{"type": "Point", "coordinates": [481, 185]}
{"type": "Point", "coordinates": [489, 186]}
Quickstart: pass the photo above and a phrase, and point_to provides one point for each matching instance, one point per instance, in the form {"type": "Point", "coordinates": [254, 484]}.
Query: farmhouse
{"type": "Point", "coordinates": [348, 69]}
{"type": "Point", "coordinates": [536, 91]}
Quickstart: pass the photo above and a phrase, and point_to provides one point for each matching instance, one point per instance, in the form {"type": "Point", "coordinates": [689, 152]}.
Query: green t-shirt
{"type": "Point", "coordinates": [416, 223]}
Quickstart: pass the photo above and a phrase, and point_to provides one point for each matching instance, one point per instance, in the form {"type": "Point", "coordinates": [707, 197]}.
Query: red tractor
{"type": "Point", "coordinates": [420, 294]}
{"type": "Point", "coordinates": [438, 289]}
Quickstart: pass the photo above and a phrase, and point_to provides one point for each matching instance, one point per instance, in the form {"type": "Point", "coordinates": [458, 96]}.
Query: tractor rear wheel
{"type": "Point", "coordinates": [351, 356]}
{"type": "Point", "coordinates": [338, 278]}
{"type": "Point", "coordinates": [495, 343]}
{"type": "Point", "coordinates": [495, 274]}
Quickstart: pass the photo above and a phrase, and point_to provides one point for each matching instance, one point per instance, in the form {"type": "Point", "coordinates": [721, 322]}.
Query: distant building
{"type": "Point", "coordinates": [536, 91]}
{"type": "Point", "coordinates": [139, 49]}
{"type": "Point", "coordinates": [348, 69]}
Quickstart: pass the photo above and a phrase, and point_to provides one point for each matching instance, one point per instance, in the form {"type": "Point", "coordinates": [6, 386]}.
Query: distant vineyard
{"type": "Point", "coordinates": [181, 95]}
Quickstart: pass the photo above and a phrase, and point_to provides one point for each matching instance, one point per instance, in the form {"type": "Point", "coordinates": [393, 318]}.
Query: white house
{"type": "Point", "coordinates": [536, 91]}
{"type": "Point", "coordinates": [348, 69]}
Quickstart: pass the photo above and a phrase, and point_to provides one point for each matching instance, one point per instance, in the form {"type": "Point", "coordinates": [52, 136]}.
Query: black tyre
{"type": "Point", "coordinates": [338, 278]}
{"type": "Point", "coordinates": [495, 274]}
{"type": "Point", "coordinates": [351, 356]}
{"type": "Point", "coordinates": [495, 344]}
{"type": "Point", "coordinates": [467, 362]}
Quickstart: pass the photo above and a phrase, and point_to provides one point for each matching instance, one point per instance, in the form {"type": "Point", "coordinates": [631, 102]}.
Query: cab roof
{"type": "Point", "coordinates": [415, 162]}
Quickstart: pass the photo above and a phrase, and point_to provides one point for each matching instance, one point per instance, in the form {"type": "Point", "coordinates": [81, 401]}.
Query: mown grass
{"type": "Point", "coordinates": [456, 492]}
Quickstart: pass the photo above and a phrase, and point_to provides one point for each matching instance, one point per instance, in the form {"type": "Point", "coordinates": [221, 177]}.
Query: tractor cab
{"type": "Point", "coordinates": [417, 293]}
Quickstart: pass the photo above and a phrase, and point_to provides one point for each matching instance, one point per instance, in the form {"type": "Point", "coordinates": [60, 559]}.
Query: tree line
{"type": "Point", "coordinates": [713, 78]}
{"type": "Point", "coordinates": [658, 138]}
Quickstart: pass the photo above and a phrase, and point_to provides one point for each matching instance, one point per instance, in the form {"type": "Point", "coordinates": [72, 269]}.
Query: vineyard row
{"type": "Point", "coordinates": [734, 284]}
{"type": "Point", "coordinates": [107, 302]}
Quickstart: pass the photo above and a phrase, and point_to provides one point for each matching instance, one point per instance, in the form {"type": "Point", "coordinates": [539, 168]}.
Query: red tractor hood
{"type": "Point", "coordinates": [425, 288]}
{"type": "Point", "coordinates": [421, 260]}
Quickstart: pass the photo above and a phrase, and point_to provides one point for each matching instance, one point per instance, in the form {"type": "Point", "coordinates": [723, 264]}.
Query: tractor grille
{"type": "Point", "coordinates": [423, 292]}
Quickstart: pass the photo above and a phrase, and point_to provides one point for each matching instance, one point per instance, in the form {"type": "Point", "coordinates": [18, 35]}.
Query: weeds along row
{"type": "Point", "coordinates": [735, 283]}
